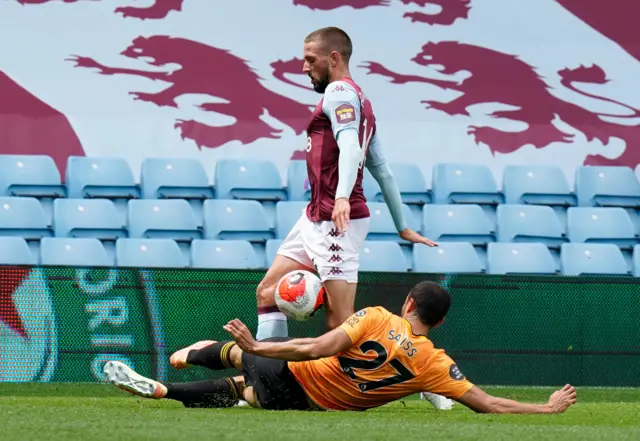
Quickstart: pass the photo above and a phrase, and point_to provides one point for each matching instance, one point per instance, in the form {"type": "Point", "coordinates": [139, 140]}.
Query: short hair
{"type": "Point", "coordinates": [332, 39]}
{"type": "Point", "coordinates": [432, 302]}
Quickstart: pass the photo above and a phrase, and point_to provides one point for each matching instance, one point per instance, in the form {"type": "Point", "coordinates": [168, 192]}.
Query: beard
{"type": "Point", "coordinates": [320, 84]}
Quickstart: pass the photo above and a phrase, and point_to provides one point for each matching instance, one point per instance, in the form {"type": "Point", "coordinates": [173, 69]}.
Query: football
{"type": "Point", "coordinates": [299, 294]}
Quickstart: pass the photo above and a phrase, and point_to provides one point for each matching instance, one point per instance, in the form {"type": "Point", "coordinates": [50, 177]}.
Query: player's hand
{"type": "Point", "coordinates": [340, 215]}
{"type": "Point", "coordinates": [561, 399]}
{"type": "Point", "coordinates": [412, 236]}
{"type": "Point", "coordinates": [241, 335]}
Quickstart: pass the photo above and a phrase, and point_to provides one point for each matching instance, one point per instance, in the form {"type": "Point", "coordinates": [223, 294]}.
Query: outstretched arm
{"type": "Point", "coordinates": [379, 168]}
{"type": "Point", "coordinates": [481, 402]}
{"type": "Point", "coordinates": [300, 349]}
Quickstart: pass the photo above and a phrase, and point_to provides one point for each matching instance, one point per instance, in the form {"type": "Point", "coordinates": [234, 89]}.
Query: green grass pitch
{"type": "Point", "coordinates": [92, 412]}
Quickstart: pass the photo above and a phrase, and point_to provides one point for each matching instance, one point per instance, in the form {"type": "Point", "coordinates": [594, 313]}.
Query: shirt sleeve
{"type": "Point", "coordinates": [375, 157]}
{"type": "Point", "coordinates": [359, 324]}
{"type": "Point", "coordinates": [341, 105]}
{"type": "Point", "coordinates": [444, 377]}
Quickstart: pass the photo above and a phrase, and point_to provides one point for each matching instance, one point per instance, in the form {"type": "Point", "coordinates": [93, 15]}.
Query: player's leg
{"type": "Point", "coordinates": [214, 393]}
{"type": "Point", "coordinates": [291, 256]}
{"type": "Point", "coordinates": [215, 355]}
{"type": "Point", "coordinates": [336, 257]}
{"type": "Point", "coordinates": [339, 301]}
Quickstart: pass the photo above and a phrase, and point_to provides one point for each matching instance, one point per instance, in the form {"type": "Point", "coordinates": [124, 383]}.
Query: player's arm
{"type": "Point", "coordinates": [341, 105]}
{"type": "Point", "coordinates": [379, 168]}
{"type": "Point", "coordinates": [300, 349]}
{"type": "Point", "coordinates": [481, 402]}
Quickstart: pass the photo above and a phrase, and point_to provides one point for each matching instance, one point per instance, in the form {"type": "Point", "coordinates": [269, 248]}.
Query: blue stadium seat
{"type": "Point", "coordinates": [636, 261]}
{"type": "Point", "coordinates": [529, 223]}
{"type": "Point", "coordinates": [229, 219]}
{"type": "Point", "coordinates": [287, 214]}
{"type": "Point", "coordinates": [607, 186]}
{"type": "Point", "coordinates": [97, 218]}
{"type": "Point", "coordinates": [582, 259]}
{"type": "Point", "coordinates": [23, 217]}
{"type": "Point", "coordinates": [448, 257]}
{"type": "Point", "coordinates": [410, 180]}
{"type": "Point", "coordinates": [465, 184]}
{"type": "Point", "coordinates": [381, 226]}
{"type": "Point", "coordinates": [248, 179]}
{"type": "Point", "coordinates": [30, 175]}
{"type": "Point", "coordinates": [15, 251]}
{"type": "Point", "coordinates": [163, 218]}
{"type": "Point", "coordinates": [149, 253]}
{"type": "Point", "coordinates": [298, 181]}
{"type": "Point", "coordinates": [601, 225]}
{"type": "Point", "coordinates": [84, 252]}
{"type": "Point", "coordinates": [271, 249]}
{"type": "Point", "coordinates": [536, 185]}
{"type": "Point", "coordinates": [174, 178]}
{"type": "Point", "coordinates": [224, 254]}
{"type": "Point", "coordinates": [519, 258]}
{"type": "Point", "coordinates": [463, 223]}
{"type": "Point", "coordinates": [100, 177]}
{"type": "Point", "coordinates": [382, 256]}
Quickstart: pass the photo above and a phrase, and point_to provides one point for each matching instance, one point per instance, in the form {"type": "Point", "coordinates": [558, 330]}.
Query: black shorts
{"type": "Point", "coordinates": [274, 386]}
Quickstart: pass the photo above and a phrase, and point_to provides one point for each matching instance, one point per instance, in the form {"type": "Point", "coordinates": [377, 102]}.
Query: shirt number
{"type": "Point", "coordinates": [366, 140]}
{"type": "Point", "coordinates": [349, 364]}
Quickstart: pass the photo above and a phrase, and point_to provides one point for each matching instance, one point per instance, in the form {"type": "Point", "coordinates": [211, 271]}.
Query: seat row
{"type": "Point", "coordinates": [247, 220]}
{"type": "Point", "coordinates": [91, 177]}
{"type": "Point", "coordinates": [452, 257]}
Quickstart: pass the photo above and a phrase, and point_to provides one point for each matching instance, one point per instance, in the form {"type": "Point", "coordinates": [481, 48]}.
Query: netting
{"type": "Point", "coordinates": [62, 324]}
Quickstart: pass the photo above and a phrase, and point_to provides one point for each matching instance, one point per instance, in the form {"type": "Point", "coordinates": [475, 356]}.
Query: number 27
{"type": "Point", "coordinates": [349, 364]}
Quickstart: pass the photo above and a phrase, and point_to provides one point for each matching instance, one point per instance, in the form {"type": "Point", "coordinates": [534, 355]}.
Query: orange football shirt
{"type": "Point", "coordinates": [386, 362]}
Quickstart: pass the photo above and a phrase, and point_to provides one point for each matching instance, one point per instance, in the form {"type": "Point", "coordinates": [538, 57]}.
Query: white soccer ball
{"type": "Point", "coordinates": [299, 294]}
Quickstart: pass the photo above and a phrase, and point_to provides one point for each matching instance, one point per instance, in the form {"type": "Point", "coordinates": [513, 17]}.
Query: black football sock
{"type": "Point", "coordinates": [216, 393]}
{"type": "Point", "coordinates": [215, 356]}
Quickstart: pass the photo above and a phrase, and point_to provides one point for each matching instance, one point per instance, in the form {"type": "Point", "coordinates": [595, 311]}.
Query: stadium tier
{"type": "Point", "coordinates": [534, 223]}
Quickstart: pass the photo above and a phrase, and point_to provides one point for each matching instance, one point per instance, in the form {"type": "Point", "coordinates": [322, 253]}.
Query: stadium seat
{"type": "Point", "coordinates": [448, 257]}
{"type": "Point", "coordinates": [248, 179]}
{"type": "Point", "coordinates": [636, 261]}
{"type": "Point", "coordinates": [174, 178]}
{"type": "Point", "coordinates": [271, 249]}
{"type": "Point", "coordinates": [287, 214]}
{"type": "Point", "coordinates": [224, 254]}
{"type": "Point", "coordinates": [100, 177]}
{"type": "Point", "coordinates": [24, 217]}
{"type": "Point", "coordinates": [149, 253]}
{"type": "Point", "coordinates": [381, 226]}
{"type": "Point", "coordinates": [298, 182]}
{"type": "Point", "coordinates": [163, 218]}
{"type": "Point", "coordinates": [581, 259]}
{"type": "Point", "coordinates": [529, 223]}
{"type": "Point", "coordinates": [410, 180]}
{"type": "Point", "coordinates": [519, 258]}
{"type": "Point", "coordinates": [229, 219]}
{"type": "Point", "coordinates": [607, 186]}
{"type": "Point", "coordinates": [465, 184]}
{"type": "Point", "coordinates": [97, 218]}
{"type": "Point", "coordinates": [30, 175]}
{"type": "Point", "coordinates": [601, 225]}
{"type": "Point", "coordinates": [463, 223]}
{"type": "Point", "coordinates": [15, 251]}
{"type": "Point", "coordinates": [536, 185]}
{"type": "Point", "coordinates": [84, 252]}
{"type": "Point", "coordinates": [382, 256]}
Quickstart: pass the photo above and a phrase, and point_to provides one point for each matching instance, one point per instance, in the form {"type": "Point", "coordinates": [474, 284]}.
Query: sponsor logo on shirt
{"type": "Point", "coordinates": [345, 113]}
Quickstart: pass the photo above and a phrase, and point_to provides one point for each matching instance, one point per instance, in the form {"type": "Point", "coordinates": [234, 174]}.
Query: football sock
{"type": "Point", "coordinates": [271, 323]}
{"type": "Point", "coordinates": [216, 393]}
{"type": "Point", "coordinates": [215, 356]}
